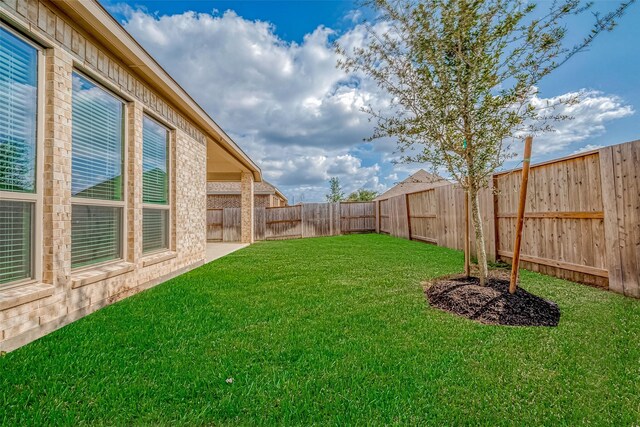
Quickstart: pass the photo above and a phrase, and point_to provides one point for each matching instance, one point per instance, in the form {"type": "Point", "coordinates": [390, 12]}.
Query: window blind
{"type": "Point", "coordinates": [155, 185]}
{"type": "Point", "coordinates": [154, 229]}
{"type": "Point", "coordinates": [18, 109]}
{"type": "Point", "coordinates": [96, 173]}
{"type": "Point", "coordinates": [154, 162]}
{"type": "Point", "coordinates": [97, 134]}
{"type": "Point", "coordinates": [95, 234]}
{"type": "Point", "coordinates": [18, 98]}
{"type": "Point", "coordinates": [16, 225]}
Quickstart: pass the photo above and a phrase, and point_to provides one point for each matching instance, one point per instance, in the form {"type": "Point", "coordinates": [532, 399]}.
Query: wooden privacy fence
{"type": "Point", "coordinates": [292, 222]}
{"type": "Point", "coordinates": [433, 216]}
{"type": "Point", "coordinates": [582, 219]}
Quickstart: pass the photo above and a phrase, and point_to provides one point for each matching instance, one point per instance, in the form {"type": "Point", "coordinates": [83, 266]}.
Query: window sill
{"type": "Point", "coordinates": [23, 294]}
{"type": "Point", "coordinates": [103, 272]}
{"type": "Point", "coordinates": [157, 258]}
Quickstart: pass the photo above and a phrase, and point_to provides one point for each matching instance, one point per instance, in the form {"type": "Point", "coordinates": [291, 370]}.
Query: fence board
{"type": "Point", "coordinates": [487, 206]}
{"type": "Point", "coordinates": [231, 225]}
{"type": "Point", "coordinates": [384, 218]}
{"type": "Point", "coordinates": [451, 220]}
{"type": "Point", "coordinates": [259, 218]}
{"type": "Point", "coordinates": [317, 219]}
{"type": "Point", "coordinates": [357, 217]}
{"type": "Point", "coordinates": [398, 216]}
{"type": "Point", "coordinates": [283, 223]}
{"type": "Point", "coordinates": [336, 222]}
{"type": "Point", "coordinates": [423, 216]}
{"type": "Point", "coordinates": [214, 224]}
{"type": "Point", "coordinates": [612, 221]}
{"type": "Point", "coordinates": [621, 191]}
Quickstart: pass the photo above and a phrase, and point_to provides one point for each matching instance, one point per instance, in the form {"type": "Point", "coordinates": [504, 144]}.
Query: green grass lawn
{"type": "Point", "coordinates": [329, 331]}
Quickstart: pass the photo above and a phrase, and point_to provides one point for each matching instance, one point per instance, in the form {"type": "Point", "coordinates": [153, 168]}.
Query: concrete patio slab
{"type": "Point", "coordinates": [218, 250]}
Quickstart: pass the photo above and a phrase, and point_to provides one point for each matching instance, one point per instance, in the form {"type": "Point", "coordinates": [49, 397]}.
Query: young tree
{"type": "Point", "coordinates": [362, 195]}
{"type": "Point", "coordinates": [335, 191]}
{"type": "Point", "coordinates": [461, 75]}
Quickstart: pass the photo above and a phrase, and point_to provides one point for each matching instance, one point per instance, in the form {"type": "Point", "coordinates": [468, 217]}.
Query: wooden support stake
{"type": "Point", "coordinates": [513, 284]}
{"type": "Point", "coordinates": [496, 224]}
{"type": "Point", "coordinates": [467, 243]}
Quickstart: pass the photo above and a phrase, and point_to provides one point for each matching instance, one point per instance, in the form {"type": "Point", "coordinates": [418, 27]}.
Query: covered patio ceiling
{"type": "Point", "coordinates": [223, 166]}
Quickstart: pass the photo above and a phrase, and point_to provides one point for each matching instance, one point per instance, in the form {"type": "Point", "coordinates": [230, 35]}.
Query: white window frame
{"type": "Point", "coordinates": [169, 206]}
{"type": "Point", "coordinates": [37, 198]}
{"type": "Point", "coordinates": [122, 204]}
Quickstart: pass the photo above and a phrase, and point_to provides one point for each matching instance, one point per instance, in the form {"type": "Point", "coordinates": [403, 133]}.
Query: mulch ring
{"type": "Point", "coordinates": [491, 304]}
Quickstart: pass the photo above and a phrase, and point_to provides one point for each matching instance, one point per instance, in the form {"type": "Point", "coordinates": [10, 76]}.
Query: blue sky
{"type": "Point", "coordinates": [293, 19]}
{"type": "Point", "coordinates": [264, 70]}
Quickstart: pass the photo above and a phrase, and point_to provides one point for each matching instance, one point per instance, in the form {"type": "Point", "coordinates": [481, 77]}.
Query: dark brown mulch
{"type": "Point", "coordinates": [491, 304]}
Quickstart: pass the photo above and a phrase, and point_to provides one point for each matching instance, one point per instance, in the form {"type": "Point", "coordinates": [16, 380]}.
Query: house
{"type": "Point", "coordinates": [104, 163]}
{"type": "Point", "coordinates": [419, 181]}
{"type": "Point", "coordinates": [222, 195]}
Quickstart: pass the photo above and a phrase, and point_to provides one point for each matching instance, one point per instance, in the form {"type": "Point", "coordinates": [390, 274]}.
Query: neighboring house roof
{"type": "Point", "coordinates": [233, 187]}
{"type": "Point", "coordinates": [92, 15]}
{"type": "Point", "coordinates": [419, 181]}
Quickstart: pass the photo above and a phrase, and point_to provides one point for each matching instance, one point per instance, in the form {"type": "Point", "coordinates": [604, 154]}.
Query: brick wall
{"type": "Point", "coordinates": [60, 295]}
{"type": "Point", "coordinates": [234, 187]}
{"type": "Point", "coordinates": [263, 201]}
{"type": "Point", "coordinates": [221, 201]}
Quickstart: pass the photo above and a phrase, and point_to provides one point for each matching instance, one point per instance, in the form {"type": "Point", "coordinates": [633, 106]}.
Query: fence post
{"type": "Point", "coordinates": [330, 219]}
{"type": "Point", "coordinates": [303, 230]}
{"type": "Point", "coordinates": [406, 201]}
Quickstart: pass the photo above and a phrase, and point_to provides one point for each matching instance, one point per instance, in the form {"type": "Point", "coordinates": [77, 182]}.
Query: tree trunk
{"type": "Point", "coordinates": [477, 226]}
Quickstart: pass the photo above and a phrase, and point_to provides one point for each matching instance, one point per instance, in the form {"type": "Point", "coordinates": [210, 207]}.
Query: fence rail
{"type": "Point", "coordinates": [582, 219]}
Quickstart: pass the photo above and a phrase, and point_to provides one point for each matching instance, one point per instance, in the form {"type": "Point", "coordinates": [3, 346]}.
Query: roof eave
{"type": "Point", "coordinates": [277, 191]}
{"type": "Point", "coordinates": [282, 196]}
{"type": "Point", "coordinates": [109, 32]}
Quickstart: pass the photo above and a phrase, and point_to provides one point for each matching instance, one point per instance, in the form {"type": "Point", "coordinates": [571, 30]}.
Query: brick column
{"type": "Point", "coordinates": [134, 181]}
{"type": "Point", "coordinates": [57, 170]}
{"type": "Point", "coordinates": [246, 207]}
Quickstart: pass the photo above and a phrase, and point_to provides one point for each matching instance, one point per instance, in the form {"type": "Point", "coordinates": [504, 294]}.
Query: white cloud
{"type": "Point", "coordinates": [253, 83]}
{"type": "Point", "coordinates": [589, 117]}
{"type": "Point", "coordinates": [353, 15]}
{"type": "Point", "coordinates": [289, 107]}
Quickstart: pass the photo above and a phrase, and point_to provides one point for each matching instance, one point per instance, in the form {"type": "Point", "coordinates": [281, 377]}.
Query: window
{"type": "Point", "coordinates": [155, 186]}
{"type": "Point", "coordinates": [96, 174]}
{"type": "Point", "coordinates": [18, 124]}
